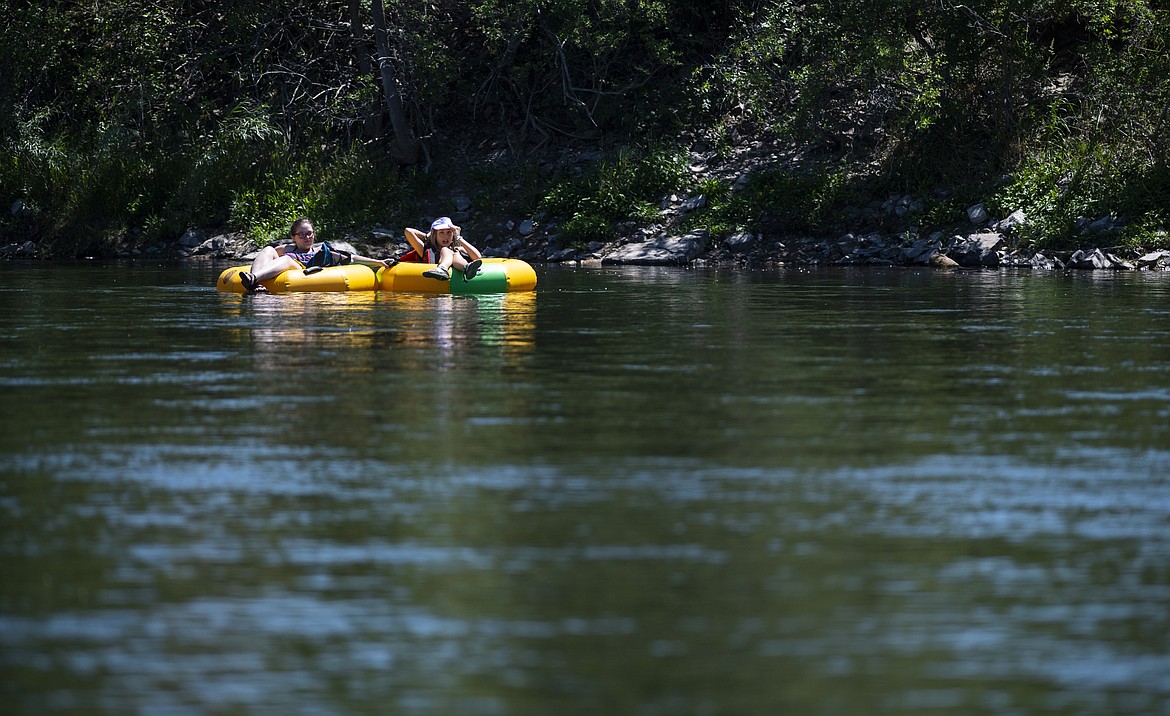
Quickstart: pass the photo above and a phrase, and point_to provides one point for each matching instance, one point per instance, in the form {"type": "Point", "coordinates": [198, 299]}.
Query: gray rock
{"type": "Point", "coordinates": [505, 250]}
{"type": "Point", "coordinates": [976, 250]}
{"type": "Point", "coordinates": [920, 251]}
{"type": "Point", "coordinates": [645, 234]}
{"type": "Point", "coordinates": [1089, 260]}
{"type": "Point", "coordinates": [1008, 259]}
{"type": "Point", "coordinates": [846, 245]}
{"type": "Point", "coordinates": [907, 205]}
{"type": "Point", "coordinates": [739, 242]}
{"type": "Point", "coordinates": [662, 251]}
{"type": "Point", "coordinates": [871, 249]}
{"type": "Point", "coordinates": [977, 214]}
{"type": "Point", "coordinates": [215, 244]}
{"type": "Point", "coordinates": [1154, 260]}
{"type": "Point", "coordinates": [19, 249]}
{"type": "Point", "coordinates": [1042, 262]}
{"type": "Point", "coordinates": [1014, 219]}
{"type": "Point", "coordinates": [567, 254]}
{"type": "Point", "coordinates": [694, 203]}
{"type": "Point", "coordinates": [1104, 225]}
{"type": "Point", "coordinates": [526, 227]}
{"type": "Point", "coordinates": [192, 238]}
{"type": "Point", "coordinates": [1119, 263]}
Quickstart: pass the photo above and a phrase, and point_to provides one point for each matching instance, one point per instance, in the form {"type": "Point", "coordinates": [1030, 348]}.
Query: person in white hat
{"type": "Point", "coordinates": [445, 246]}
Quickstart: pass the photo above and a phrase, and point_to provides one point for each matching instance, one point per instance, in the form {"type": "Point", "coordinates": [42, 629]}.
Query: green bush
{"type": "Point", "coordinates": [1077, 181]}
{"type": "Point", "coordinates": [84, 194]}
{"type": "Point", "coordinates": [616, 189]}
{"type": "Point", "coordinates": [724, 213]}
{"type": "Point", "coordinates": [583, 228]}
{"type": "Point", "coordinates": [779, 201]}
{"type": "Point", "coordinates": [793, 201]}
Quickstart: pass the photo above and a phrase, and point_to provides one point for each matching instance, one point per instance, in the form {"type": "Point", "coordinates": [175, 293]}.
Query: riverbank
{"type": "Point", "coordinates": [892, 230]}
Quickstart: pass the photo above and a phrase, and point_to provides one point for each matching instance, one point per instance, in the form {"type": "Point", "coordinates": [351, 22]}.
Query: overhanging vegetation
{"type": "Point", "coordinates": [129, 121]}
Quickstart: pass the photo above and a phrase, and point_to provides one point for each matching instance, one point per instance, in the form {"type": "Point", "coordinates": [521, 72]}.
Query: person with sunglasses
{"type": "Point", "coordinates": [274, 260]}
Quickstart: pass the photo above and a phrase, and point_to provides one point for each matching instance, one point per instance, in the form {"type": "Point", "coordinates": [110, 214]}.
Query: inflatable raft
{"type": "Point", "coordinates": [352, 277]}
{"type": "Point", "coordinates": [495, 276]}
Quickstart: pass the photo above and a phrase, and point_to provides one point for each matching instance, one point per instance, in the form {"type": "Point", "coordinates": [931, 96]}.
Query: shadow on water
{"type": "Point", "coordinates": [645, 491]}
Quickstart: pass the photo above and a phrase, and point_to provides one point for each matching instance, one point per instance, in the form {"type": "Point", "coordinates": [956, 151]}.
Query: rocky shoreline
{"type": "Point", "coordinates": [981, 241]}
{"type": "Point", "coordinates": [979, 246]}
{"type": "Point", "coordinates": [656, 246]}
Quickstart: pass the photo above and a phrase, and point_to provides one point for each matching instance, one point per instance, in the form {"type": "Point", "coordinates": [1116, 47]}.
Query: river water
{"type": "Point", "coordinates": [634, 491]}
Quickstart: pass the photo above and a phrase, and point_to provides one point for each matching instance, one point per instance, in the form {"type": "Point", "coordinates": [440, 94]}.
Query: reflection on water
{"type": "Point", "coordinates": [506, 321]}
{"type": "Point", "coordinates": [280, 324]}
{"type": "Point", "coordinates": [648, 492]}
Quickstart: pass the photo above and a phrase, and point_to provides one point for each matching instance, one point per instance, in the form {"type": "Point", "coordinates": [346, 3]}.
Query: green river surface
{"type": "Point", "coordinates": [634, 491]}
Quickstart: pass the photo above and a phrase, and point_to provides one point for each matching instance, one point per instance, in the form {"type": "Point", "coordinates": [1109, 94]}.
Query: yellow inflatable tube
{"type": "Point", "coordinates": [495, 276]}
{"type": "Point", "coordinates": [351, 277]}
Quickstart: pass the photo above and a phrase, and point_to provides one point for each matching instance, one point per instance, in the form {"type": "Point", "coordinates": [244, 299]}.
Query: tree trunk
{"type": "Point", "coordinates": [405, 145]}
{"type": "Point", "coordinates": [373, 121]}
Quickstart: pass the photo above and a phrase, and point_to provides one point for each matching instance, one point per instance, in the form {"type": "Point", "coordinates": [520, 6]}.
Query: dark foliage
{"type": "Point", "coordinates": [131, 120]}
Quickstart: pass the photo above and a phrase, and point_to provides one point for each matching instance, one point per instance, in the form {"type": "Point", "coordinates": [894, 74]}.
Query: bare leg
{"type": "Point", "coordinates": [460, 262]}
{"type": "Point", "coordinates": [269, 265]}
{"type": "Point", "coordinates": [443, 267]}
{"type": "Point", "coordinates": [448, 257]}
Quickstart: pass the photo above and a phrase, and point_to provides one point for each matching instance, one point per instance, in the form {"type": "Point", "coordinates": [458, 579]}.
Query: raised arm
{"type": "Point", "coordinates": [472, 252]}
{"type": "Point", "coordinates": [417, 240]}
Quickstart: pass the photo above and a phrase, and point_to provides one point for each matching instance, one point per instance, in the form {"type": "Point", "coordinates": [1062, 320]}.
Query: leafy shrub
{"type": "Point", "coordinates": [583, 228]}
{"type": "Point", "coordinates": [616, 189]}
{"type": "Point", "coordinates": [82, 193]}
{"type": "Point", "coordinates": [724, 213]}
{"type": "Point", "coordinates": [1078, 181]}
{"type": "Point", "coordinates": [779, 200]}
{"type": "Point", "coordinates": [795, 201]}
